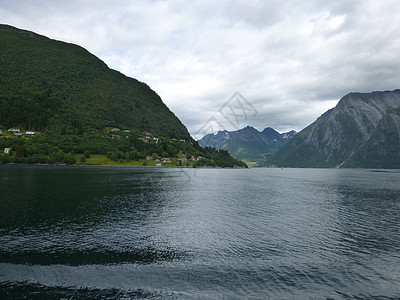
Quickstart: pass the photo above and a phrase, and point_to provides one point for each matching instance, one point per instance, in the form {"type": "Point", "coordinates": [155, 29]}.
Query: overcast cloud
{"type": "Point", "coordinates": [291, 60]}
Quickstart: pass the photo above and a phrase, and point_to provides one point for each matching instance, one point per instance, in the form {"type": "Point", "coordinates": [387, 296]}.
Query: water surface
{"type": "Point", "coordinates": [96, 232]}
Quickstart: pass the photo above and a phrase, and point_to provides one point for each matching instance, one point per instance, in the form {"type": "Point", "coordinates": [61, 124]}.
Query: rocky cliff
{"type": "Point", "coordinates": [361, 131]}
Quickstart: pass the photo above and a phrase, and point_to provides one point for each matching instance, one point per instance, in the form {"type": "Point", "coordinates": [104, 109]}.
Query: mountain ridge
{"type": "Point", "coordinates": [334, 139]}
{"type": "Point", "coordinates": [247, 144]}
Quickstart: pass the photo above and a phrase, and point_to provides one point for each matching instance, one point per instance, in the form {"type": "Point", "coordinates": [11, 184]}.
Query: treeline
{"type": "Point", "coordinates": [58, 148]}
{"type": "Point", "coordinates": [218, 158]}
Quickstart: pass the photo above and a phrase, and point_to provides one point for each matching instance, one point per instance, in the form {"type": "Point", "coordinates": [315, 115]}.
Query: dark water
{"type": "Point", "coordinates": [121, 233]}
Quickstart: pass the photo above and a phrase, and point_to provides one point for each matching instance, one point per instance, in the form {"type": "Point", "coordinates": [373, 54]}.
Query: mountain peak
{"type": "Point", "coordinates": [248, 143]}
{"type": "Point", "coordinates": [269, 129]}
{"type": "Point", "coordinates": [248, 129]}
{"type": "Point", "coordinates": [361, 131]}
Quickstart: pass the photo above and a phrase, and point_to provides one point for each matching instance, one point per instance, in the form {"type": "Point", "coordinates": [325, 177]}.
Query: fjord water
{"type": "Point", "coordinates": [96, 232]}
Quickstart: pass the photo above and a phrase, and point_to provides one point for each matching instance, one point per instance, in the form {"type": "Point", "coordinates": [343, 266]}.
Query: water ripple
{"type": "Point", "coordinates": [209, 234]}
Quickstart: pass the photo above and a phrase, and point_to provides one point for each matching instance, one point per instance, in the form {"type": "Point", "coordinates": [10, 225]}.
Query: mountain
{"type": "Point", "coordinates": [60, 104]}
{"type": "Point", "coordinates": [363, 130]}
{"type": "Point", "coordinates": [382, 150]}
{"type": "Point", "coordinates": [247, 144]}
{"type": "Point", "coordinates": [47, 85]}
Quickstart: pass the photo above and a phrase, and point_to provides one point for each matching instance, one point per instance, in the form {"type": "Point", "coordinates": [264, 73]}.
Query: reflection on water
{"type": "Point", "coordinates": [184, 233]}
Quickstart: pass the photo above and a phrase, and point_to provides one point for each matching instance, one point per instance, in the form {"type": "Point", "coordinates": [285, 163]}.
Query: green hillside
{"type": "Point", "coordinates": [51, 85]}
{"type": "Point", "coordinates": [68, 107]}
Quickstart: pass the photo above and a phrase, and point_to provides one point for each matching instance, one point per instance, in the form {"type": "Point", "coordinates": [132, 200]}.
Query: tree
{"type": "Point", "coordinates": [70, 159]}
{"type": "Point", "coordinates": [114, 156]}
{"type": "Point", "coordinates": [172, 152]}
{"type": "Point", "coordinates": [19, 151]}
{"type": "Point", "coordinates": [60, 156]}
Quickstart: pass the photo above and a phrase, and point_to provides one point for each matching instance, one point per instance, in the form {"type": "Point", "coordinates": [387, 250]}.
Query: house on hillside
{"type": "Point", "coordinates": [16, 130]}
{"type": "Point", "coordinates": [30, 133]}
{"type": "Point", "coordinates": [149, 157]}
{"type": "Point", "coordinates": [7, 150]}
{"type": "Point", "coordinates": [115, 136]}
{"type": "Point", "coordinates": [165, 160]}
{"type": "Point", "coordinates": [146, 133]}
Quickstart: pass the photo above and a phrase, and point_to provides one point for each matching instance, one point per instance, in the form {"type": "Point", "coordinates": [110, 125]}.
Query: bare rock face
{"type": "Point", "coordinates": [335, 138]}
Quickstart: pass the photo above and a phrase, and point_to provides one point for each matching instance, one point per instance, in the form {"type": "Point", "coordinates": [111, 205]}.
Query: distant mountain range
{"type": "Point", "coordinates": [248, 144]}
{"type": "Point", "coordinates": [362, 131]}
{"type": "Point", "coordinates": [61, 89]}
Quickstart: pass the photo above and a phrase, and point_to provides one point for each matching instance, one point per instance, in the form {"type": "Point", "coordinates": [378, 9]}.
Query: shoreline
{"type": "Point", "coordinates": [119, 166]}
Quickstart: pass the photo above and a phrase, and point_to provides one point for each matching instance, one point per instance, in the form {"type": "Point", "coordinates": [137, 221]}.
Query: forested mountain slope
{"type": "Point", "coordinates": [48, 84]}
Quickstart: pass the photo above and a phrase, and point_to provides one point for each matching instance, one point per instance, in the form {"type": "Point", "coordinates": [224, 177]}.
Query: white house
{"type": "Point", "coordinates": [7, 150]}
{"type": "Point", "coordinates": [30, 133]}
{"type": "Point", "coordinates": [14, 130]}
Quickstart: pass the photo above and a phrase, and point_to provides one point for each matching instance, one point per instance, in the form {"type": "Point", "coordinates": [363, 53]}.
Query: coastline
{"type": "Point", "coordinates": [120, 166]}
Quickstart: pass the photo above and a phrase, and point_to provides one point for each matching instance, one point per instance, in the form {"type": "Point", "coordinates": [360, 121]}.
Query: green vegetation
{"type": "Point", "coordinates": [77, 105]}
{"type": "Point", "coordinates": [248, 144]}
{"type": "Point", "coordinates": [131, 149]}
{"type": "Point", "coordinates": [47, 85]}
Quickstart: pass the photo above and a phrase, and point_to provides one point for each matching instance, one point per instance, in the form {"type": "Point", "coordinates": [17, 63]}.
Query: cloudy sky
{"type": "Point", "coordinates": [289, 61]}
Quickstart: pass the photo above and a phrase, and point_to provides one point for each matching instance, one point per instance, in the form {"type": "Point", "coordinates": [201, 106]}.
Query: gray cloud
{"type": "Point", "coordinates": [292, 60]}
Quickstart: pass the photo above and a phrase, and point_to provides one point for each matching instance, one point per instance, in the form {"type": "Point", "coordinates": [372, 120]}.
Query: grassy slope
{"type": "Point", "coordinates": [103, 160]}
